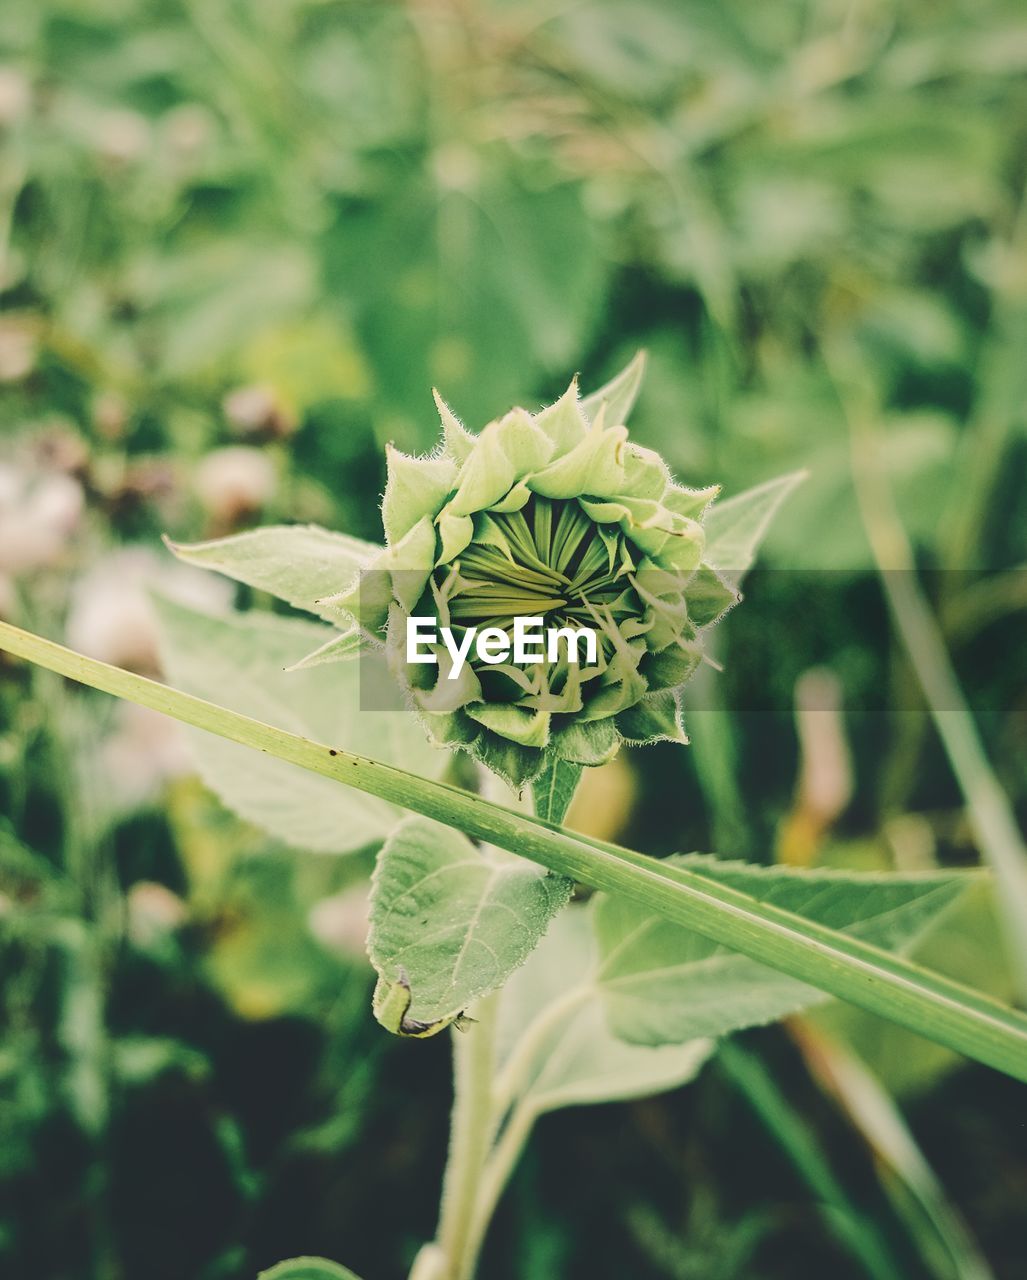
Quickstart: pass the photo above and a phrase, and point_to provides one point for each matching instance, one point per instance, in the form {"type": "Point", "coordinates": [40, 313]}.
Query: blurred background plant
{"type": "Point", "coordinates": [238, 244]}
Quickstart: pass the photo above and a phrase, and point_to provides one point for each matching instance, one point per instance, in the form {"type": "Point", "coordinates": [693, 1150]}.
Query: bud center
{"type": "Point", "coordinates": [549, 558]}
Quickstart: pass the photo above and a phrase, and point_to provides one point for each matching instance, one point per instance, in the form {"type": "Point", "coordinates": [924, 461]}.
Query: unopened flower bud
{"type": "Point", "coordinates": [553, 516]}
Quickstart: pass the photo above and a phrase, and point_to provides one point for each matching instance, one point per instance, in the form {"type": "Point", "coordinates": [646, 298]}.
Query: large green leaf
{"type": "Point", "coordinates": [736, 527]}
{"type": "Point", "coordinates": [666, 985]}
{"type": "Point", "coordinates": [240, 660]}
{"type": "Point", "coordinates": [298, 563]}
{"type": "Point", "coordinates": [450, 922]}
{"type": "Point", "coordinates": [555, 1047]}
{"type": "Point", "coordinates": [307, 1269]}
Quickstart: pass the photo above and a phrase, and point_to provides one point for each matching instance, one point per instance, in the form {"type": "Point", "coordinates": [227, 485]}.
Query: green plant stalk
{"type": "Point", "coordinates": [470, 1190]}
{"type": "Point", "coordinates": [513, 1120]}
{"type": "Point", "coordinates": [861, 1236]}
{"type": "Point", "coordinates": [991, 815]}
{"type": "Point", "coordinates": [934, 1006]}
{"type": "Point", "coordinates": [496, 1174]}
{"type": "Point", "coordinates": [474, 1052]}
{"type": "Point", "coordinates": [948, 1248]}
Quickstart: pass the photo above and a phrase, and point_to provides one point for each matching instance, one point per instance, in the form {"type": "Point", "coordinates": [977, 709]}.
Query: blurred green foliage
{"type": "Point", "coordinates": [238, 244]}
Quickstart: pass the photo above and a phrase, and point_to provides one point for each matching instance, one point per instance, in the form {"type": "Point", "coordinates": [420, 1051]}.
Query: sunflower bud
{"type": "Point", "coordinates": [554, 516]}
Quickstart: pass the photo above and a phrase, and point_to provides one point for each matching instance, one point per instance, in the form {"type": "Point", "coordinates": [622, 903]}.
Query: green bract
{"type": "Point", "coordinates": [553, 515]}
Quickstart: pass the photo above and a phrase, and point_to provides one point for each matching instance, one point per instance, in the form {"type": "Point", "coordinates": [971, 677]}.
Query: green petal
{"type": "Point", "coordinates": [593, 466]}
{"type": "Point", "coordinates": [646, 475]}
{"type": "Point", "coordinates": [449, 695]}
{"type": "Point", "coordinates": [458, 440]}
{"type": "Point", "coordinates": [564, 701]}
{"type": "Point", "coordinates": [416, 487]}
{"type": "Point", "coordinates": [593, 743]}
{"type": "Point", "coordinates": [368, 596]}
{"type": "Point", "coordinates": [455, 534]}
{"type": "Point", "coordinates": [411, 561]}
{"type": "Point", "coordinates": [518, 765]}
{"type": "Point", "coordinates": [649, 525]}
{"type": "Point", "coordinates": [604, 512]}
{"type": "Point", "coordinates": [524, 442]}
{"type": "Point", "coordinates": [668, 621]}
{"type": "Point", "coordinates": [450, 729]}
{"type": "Point", "coordinates": [527, 728]}
{"type": "Point", "coordinates": [612, 697]}
{"type": "Point", "coordinates": [656, 717]}
{"type": "Point", "coordinates": [485, 477]}
{"type": "Point", "coordinates": [689, 502]}
{"type": "Point", "coordinates": [672, 666]}
{"type": "Point", "coordinates": [683, 550]}
{"type": "Point", "coordinates": [564, 422]}
{"type": "Point", "coordinates": [504, 453]}
{"type": "Point", "coordinates": [709, 596]}
{"type": "Point", "coordinates": [518, 497]}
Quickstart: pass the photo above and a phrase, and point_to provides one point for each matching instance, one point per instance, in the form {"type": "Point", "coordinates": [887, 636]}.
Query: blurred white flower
{"type": "Point", "coordinates": [234, 483]}
{"type": "Point", "coordinates": [15, 96]}
{"type": "Point", "coordinates": [19, 344]}
{"type": "Point", "coordinates": [39, 512]}
{"type": "Point", "coordinates": [188, 128]}
{"type": "Point", "coordinates": [110, 414]}
{"type": "Point", "coordinates": [255, 410]}
{"type": "Point", "coordinates": [122, 137]}
{"type": "Point", "coordinates": [340, 922]}
{"type": "Point", "coordinates": [142, 752]}
{"type": "Point", "coordinates": [111, 615]}
{"type": "Point", "coordinates": [825, 778]}
{"type": "Point", "coordinates": [153, 911]}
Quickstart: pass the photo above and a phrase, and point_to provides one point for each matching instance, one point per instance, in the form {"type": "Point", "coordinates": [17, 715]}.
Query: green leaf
{"type": "Point", "coordinates": [838, 963]}
{"type": "Point", "coordinates": [450, 922]}
{"type": "Point", "coordinates": [307, 1269]}
{"type": "Point", "coordinates": [240, 661]}
{"type": "Point", "coordinates": [555, 1048]}
{"type": "Point", "coordinates": [969, 949]}
{"type": "Point", "coordinates": [340, 646]}
{"type": "Point", "coordinates": [300, 564]}
{"type": "Point", "coordinates": [736, 527]}
{"type": "Point", "coordinates": [666, 985]}
{"type": "Point", "coordinates": [619, 394]}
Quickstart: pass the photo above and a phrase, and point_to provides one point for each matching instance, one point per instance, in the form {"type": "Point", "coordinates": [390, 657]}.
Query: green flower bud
{"type": "Point", "coordinates": [554, 515]}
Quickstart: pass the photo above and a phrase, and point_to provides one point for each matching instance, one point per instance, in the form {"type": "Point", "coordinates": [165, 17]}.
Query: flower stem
{"type": "Point", "coordinates": [495, 1174]}
{"type": "Point", "coordinates": [478, 1166]}
{"type": "Point", "coordinates": [839, 963]}
{"type": "Point", "coordinates": [473, 1069]}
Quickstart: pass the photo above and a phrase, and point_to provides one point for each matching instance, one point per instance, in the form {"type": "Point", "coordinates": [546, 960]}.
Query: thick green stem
{"type": "Point", "coordinates": [481, 1099]}
{"type": "Point", "coordinates": [470, 1134]}
{"type": "Point", "coordinates": [843, 966]}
